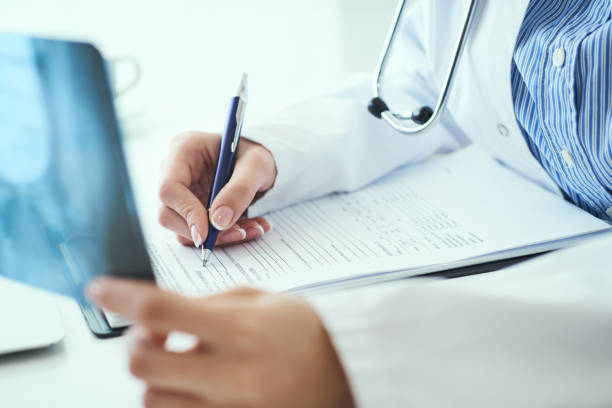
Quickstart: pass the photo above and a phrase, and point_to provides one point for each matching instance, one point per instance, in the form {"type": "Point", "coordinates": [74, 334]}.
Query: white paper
{"type": "Point", "coordinates": [448, 211]}
{"type": "Point", "coordinates": [116, 320]}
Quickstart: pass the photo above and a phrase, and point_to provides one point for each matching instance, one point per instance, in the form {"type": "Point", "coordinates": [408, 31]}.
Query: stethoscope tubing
{"type": "Point", "coordinates": [396, 120]}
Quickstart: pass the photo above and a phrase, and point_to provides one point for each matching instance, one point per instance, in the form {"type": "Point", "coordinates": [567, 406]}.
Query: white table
{"type": "Point", "coordinates": [191, 60]}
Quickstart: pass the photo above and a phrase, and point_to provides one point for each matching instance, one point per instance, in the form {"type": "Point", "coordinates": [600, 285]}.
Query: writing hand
{"type": "Point", "coordinates": [187, 175]}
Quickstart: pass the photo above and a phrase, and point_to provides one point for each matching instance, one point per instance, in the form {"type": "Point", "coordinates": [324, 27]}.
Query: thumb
{"type": "Point", "coordinates": [233, 199]}
{"type": "Point", "coordinates": [179, 198]}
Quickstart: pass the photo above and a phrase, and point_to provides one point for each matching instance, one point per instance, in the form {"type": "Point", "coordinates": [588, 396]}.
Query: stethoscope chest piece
{"type": "Point", "coordinates": [377, 106]}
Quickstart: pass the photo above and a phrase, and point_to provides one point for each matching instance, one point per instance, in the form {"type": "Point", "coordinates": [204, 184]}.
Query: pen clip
{"type": "Point", "coordinates": [242, 99]}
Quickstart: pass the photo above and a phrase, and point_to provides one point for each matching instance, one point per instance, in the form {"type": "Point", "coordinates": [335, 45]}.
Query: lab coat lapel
{"type": "Point", "coordinates": [481, 101]}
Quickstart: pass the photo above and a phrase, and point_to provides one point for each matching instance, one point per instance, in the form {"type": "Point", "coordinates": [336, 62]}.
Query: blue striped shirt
{"type": "Point", "coordinates": [562, 91]}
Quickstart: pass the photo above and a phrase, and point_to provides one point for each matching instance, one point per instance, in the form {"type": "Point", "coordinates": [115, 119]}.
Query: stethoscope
{"type": "Point", "coordinates": [425, 116]}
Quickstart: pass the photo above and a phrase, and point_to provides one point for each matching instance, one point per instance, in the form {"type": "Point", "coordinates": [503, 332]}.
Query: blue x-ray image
{"type": "Point", "coordinates": [66, 209]}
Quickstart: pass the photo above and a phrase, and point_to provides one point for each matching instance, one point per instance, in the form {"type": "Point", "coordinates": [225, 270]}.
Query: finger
{"type": "Point", "coordinates": [141, 334]}
{"type": "Point", "coordinates": [179, 198]}
{"type": "Point", "coordinates": [233, 199]}
{"type": "Point", "coordinates": [248, 229]}
{"type": "Point", "coordinates": [233, 235]}
{"type": "Point", "coordinates": [259, 223]}
{"type": "Point", "coordinates": [169, 219]}
{"type": "Point", "coordinates": [159, 368]}
{"type": "Point", "coordinates": [154, 398]}
{"type": "Point", "coordinates": [237, 233]}
{"type": "Point", "coordinates": [184, 241]}
{"type": "Point", "coordinates": [245, 291]}
{"type": "Point", "coordinates": [202, 374]}
{"type": "Point", "coordinates": [265, 223]}
{"type": "Point", "coordinates": [255, 227]}
{"type": "Point", "coordinates": [160, 310]}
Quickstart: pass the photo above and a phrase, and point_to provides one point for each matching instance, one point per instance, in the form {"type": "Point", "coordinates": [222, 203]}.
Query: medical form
{"type": "Point", "coordinates": [455, 210]}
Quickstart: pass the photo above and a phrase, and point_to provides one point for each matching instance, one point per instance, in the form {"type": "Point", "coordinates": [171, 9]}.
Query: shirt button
{"type": "Point", "coordinates": [502, 129]}
{"type": "Point", "coordinates": [558, 57]}
{"type": "Point", "coordinates": [567, 158]}
{"type": "Point", "coordinates": [609, 211]}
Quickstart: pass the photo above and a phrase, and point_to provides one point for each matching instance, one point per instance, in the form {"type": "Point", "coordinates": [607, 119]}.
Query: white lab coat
{"type": "Point", "coordinates": [539, 334]}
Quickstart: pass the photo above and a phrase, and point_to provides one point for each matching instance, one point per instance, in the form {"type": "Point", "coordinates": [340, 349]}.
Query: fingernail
{"type": "Point", "coordinates": [222, 217]}
{"type": "Point", "coordinates": [234, 235]}
{"type": "Point", "coordinates": [242, 232]}
{"type": "Point", "coordinates": [195, 236]}
{"type": "Point", "coordinates": [255, 231]}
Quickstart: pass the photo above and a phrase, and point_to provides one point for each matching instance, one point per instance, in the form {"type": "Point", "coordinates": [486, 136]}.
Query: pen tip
{"type": "Point", "coordinates": [206, 256]}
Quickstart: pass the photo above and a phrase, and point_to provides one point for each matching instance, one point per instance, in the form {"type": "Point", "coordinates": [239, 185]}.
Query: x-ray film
{"type": "Point", "coordinates": [66, 208]}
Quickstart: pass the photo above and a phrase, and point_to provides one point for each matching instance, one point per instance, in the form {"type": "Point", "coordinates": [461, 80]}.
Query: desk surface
{"type": "Point", "coordinates": [184, 86]}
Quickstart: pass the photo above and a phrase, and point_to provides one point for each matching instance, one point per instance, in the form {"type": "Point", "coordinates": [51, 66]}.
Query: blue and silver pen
{"type": "Point", "coordinates": [227, 156]}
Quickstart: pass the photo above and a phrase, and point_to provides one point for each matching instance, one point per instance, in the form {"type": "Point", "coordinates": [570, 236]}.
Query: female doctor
{"type": "Point", "coordinates": [534, 89]}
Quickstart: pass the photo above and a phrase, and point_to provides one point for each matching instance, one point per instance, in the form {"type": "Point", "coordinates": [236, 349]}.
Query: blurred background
{"type": "Point", "coordinates": [191, 53]}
